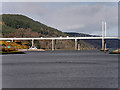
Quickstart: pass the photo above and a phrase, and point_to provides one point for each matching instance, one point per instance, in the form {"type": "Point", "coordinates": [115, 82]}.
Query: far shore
{"type": "Point", "coordinates": [51, 50]}
{"type": "Point", "coordinates": [115, 52]}
{"type": "Point", "coordinates": [13, 52]}
{"type": "Point", "coordinates": [31, 50]}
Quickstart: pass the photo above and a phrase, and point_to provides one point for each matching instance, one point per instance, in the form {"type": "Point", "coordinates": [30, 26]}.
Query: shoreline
{"type": "Point", "coordinates": [31, 50]}
{"type": "Point", "coordinates": [115, 52]}
{"type": "Point", "coordinates": [13, 52]}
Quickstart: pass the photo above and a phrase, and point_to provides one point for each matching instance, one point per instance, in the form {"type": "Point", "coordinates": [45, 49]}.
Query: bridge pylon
{"type": "Point", "coordinates": [103, 36]}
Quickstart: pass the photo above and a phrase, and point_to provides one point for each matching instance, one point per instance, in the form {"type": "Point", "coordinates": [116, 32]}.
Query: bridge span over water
{"type": "Point", "coordinates": [103, 38]}
{"type": "Point", "coordinates": [58, 38]}
{"type": "Point", "coordinates": [66, 38]}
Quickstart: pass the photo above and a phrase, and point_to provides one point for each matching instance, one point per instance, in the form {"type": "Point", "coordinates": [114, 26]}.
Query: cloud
{"type": "Point", "coordinates": [31, 9]}
{"type": "Point", "coordinates": [84, 18]}
{"type": "Point", "coordinates": [70, 17]}
{"type": "Point", "coordinates": [75, 26]}
{"type": "Point", "coordinates": [60, 0]}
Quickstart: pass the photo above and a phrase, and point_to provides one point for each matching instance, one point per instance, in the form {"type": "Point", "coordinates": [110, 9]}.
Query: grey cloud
{"type": "Point", "coordinates": [87, 18]}
{"type": "Point", "coordinates": [31, 9]}
{"type": "Point", "coordinates": [72, 18]}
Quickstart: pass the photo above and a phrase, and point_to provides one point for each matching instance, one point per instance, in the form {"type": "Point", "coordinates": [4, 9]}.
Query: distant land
{"type": "Point", "coordinates": [111, 43]}
{"type": "Point", "coordinates": [14, 25]}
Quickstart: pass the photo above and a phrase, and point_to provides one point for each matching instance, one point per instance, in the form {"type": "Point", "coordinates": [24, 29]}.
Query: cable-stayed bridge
{"type": "Point", "coordinates": [59, 38]}
{"type": "Point", "coordinates": [103, 38]}
{"type": "Point", "coordinates": [65, 38]}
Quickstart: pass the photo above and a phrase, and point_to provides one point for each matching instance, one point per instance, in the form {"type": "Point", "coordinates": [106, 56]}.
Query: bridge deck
{"type": "Point", "coordinates": [58, 38]}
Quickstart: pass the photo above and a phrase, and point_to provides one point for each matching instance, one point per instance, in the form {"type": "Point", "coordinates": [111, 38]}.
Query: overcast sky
{"type": "Point", "coordinates": [69, 16]}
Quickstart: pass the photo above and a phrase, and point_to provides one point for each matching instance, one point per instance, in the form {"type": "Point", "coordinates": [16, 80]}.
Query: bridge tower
{"type": "Point", "coordinates": [103, 35]}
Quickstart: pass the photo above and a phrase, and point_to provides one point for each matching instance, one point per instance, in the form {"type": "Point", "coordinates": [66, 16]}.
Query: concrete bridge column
{"type": "Point", "coordinates": [78, 47]}
{"type": "Point", "coordinates": [102, 43]}
{"type": "Point", "coordinates": [105, 45]}
{"type": "Point", "coordinates": [12, 40]}
{"type": "Point", "coordinates": [32, 42]}
{"type": "Point", "coordinates": [53, 45]}
{"type": "Point", "coordinates": [75, 44]}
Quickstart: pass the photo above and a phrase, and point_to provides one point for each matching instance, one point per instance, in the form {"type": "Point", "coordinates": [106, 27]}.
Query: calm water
{"type": "Point", "coordinates": [60, 69]}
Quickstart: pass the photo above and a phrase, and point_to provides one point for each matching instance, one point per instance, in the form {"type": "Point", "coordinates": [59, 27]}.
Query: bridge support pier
{"type": "Point", "coordinates": [102, 44]}
{"type": "Point", "coordinates": [75, 44]}
{"type": "Point", "coordinates": [53, 45]}
{"type": "Point", "coordinates": [105, 45]}
{"type": "Point", "coordinates": [32, 42]}
{"type": "Point", "coordinates": [78, 47]}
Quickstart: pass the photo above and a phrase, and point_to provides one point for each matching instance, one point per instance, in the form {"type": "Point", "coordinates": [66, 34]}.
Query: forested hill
{"type": "Point", "coordinates": [14, 25]}
{"type": "Point", "coordinates": [13, 22]}
{"type": "Point", "coordinates": [74, 34]}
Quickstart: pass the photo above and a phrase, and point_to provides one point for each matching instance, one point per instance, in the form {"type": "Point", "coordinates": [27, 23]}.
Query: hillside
{"type": "Point", "coordinates": [74, 34]}
{"type": "Point", "coordinates": [13, 22]}
{"type": "Point", "coordinates": [21, 26]}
